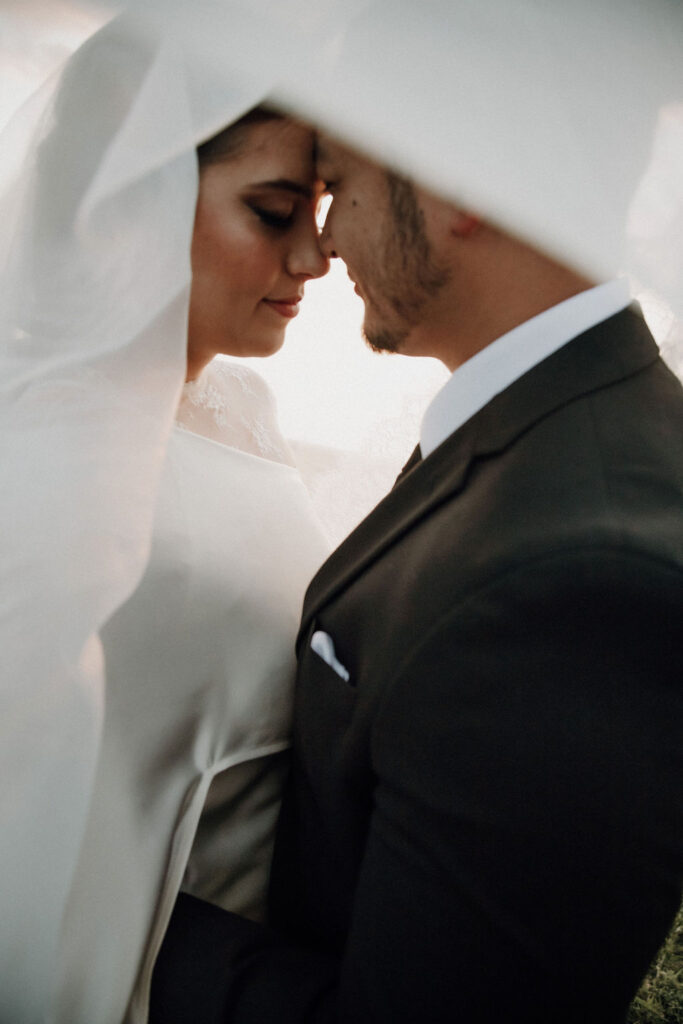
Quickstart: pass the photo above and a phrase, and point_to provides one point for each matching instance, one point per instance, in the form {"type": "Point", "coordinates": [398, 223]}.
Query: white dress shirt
{"type": "Point", "coordinates": [502, 362]}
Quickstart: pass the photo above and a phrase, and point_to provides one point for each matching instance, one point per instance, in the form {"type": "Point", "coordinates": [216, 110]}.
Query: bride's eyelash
{"type": "Point", "coordinates": [273, 220]}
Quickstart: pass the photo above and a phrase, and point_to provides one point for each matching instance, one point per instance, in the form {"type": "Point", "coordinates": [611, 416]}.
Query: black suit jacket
{"type": "Point", "coordinates": [486, 822]}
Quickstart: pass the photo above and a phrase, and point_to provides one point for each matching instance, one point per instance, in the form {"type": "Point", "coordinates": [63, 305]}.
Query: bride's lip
{"type": "Point", "coordinates": [287, 307]}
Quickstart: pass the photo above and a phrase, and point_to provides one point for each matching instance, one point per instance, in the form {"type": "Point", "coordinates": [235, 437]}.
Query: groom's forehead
{"type": "Point", "coordinates": [331, 155]}
{"type": "Point", "coordinates": [325, 149]}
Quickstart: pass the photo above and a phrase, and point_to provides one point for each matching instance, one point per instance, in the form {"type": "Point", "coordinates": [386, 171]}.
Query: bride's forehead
{"type": "Point", "coordinates": [274, 151]}
{"type": "Point", "coordinates": [281, 141]}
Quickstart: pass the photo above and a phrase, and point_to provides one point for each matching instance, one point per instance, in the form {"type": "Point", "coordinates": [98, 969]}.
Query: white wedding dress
{"type": "Point", "coordinates": [199, 664]}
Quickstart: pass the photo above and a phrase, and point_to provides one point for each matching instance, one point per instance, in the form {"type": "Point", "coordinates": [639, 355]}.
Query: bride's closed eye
{"type": "Point", "coordinates": [280, 219]}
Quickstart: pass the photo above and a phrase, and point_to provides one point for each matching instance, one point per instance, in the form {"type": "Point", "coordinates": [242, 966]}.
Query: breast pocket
{"type": "Point", "coordinates": [324, 707]}
{"type": "Point", "coordinates": [322, 644]}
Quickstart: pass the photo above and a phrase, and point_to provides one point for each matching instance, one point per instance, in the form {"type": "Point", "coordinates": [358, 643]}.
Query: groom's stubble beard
{"type": "Point", "coordinates": [409, 276]}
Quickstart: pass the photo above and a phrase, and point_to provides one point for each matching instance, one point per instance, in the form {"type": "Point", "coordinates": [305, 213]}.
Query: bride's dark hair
{"type": "Point", "coordinates": [228, 142]}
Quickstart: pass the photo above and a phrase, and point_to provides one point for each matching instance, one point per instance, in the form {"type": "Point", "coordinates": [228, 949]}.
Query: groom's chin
{"type": "Point", "coordinates": [383, 340]}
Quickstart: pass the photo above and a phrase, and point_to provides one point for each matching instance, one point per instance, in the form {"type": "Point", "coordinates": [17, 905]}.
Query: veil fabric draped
{"type": "Point", "coordinates": [94, 300]}
{"type": "Point", "coordinates": [562, 123]}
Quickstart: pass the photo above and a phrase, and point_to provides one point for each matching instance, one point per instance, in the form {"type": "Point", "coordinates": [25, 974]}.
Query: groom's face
{"type": "Point", "coordinates": [376, 224]}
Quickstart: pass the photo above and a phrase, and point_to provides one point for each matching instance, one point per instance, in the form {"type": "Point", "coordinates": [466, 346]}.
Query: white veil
{"type": "Point", "coordinates": [94, 304]}
{"type": "Point", "coordinates": [564, 123]}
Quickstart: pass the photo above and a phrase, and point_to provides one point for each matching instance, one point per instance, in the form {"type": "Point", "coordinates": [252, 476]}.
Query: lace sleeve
{"type": "Point", "coordinates": [232, 405]}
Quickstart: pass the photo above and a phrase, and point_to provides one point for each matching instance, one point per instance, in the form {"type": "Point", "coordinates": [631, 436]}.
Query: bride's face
{"type": "Point", "coordinates": [255, 243]}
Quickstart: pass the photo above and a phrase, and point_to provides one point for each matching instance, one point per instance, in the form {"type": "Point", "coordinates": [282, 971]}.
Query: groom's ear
{"type": "Point", "coordinates": [445, 220]}
{"type": "Point", "coordinates": [463, 224]}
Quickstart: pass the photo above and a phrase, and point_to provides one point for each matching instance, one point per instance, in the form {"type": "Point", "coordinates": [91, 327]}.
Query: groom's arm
{"type": "Point", "coordinates": [215, 967]}
{"type": "Point", "coordinates": [523, 856]}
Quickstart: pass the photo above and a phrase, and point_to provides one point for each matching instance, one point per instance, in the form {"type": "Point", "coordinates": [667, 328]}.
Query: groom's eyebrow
{"type": "Point", "coordinates": [286, 185]}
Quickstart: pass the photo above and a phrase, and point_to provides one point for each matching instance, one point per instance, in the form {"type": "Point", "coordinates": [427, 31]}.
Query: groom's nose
{"type": "Point", "coordinates": [326, 239]}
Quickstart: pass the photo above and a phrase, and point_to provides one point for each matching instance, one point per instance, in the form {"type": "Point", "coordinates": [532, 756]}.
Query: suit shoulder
{"type": "Point", "coordinates": [590, 602]}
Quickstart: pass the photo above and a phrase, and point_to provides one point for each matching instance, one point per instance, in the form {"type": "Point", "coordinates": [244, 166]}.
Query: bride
{"type": "Point", "coordinates": [192, 542]}
{"type": "Point", "coordinates": [199, 659]}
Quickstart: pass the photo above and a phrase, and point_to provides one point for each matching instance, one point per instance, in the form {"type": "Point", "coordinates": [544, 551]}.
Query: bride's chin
{"type": "Point", "coordinates": [266, 345]}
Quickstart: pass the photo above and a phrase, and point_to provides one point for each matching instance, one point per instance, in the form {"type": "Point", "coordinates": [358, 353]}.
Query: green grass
{"type": "Point", "coordinates": [660, 998]}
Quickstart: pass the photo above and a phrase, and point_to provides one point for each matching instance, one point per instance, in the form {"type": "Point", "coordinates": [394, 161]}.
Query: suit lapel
{"type": "Point", "coordinates": [415, 457]}
{"type": "Point", "coordinates": [613, 350]}
{"type": "Point", "coordinates": [410, 499]}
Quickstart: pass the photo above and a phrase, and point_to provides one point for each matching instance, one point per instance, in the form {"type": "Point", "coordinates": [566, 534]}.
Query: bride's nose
{"type": "Point", "coordinates": [305, 258]}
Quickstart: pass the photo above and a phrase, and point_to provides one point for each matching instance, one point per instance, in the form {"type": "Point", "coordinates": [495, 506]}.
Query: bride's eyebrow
{"type": "Point", "coordinates": [286, 185]}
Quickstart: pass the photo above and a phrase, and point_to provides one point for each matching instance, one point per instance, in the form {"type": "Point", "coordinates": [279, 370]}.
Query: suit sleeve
{"type": "Point", "coordinates": [524, 854]}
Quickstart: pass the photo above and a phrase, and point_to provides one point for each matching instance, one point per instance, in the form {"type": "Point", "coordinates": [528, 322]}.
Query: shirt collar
{"type": "Point", "coordinates": [502, 362]}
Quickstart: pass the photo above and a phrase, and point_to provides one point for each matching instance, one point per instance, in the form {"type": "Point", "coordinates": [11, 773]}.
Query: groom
{"type": "Point", "coordinates": [484, 819]}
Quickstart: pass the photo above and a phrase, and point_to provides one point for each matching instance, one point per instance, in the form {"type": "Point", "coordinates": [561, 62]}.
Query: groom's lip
{"type": "Point", "coordinates": [355, 285]}
{"type": "Point", "coordinates": [287, 307]}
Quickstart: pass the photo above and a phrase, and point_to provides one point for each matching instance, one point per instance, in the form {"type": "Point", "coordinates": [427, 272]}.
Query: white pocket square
{"type": "Point", "coordinates": [323, 645]}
